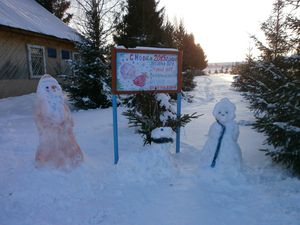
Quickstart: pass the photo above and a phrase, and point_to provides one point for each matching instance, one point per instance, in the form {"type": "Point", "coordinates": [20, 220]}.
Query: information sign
{"type": "Point", "coordinates": [146, 70]}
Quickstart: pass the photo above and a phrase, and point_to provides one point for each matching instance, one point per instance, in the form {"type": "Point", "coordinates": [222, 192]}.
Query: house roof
{"type": "Point", "coordinates": [31, 16]}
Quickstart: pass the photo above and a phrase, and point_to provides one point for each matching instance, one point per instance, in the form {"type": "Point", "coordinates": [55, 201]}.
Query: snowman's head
{"type": "Point", "coordinates": [50, 98]}
{"type": "Point", "coordinates": [162, 135]}
{"type": "Point", "coordinates": [224, 110]}
{"type": "Point", "coordinates": [48, 87]}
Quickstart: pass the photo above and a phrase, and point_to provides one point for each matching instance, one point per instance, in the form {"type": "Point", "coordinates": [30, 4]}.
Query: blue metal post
{"type": "Point", "coordinates": [178, 128]}
{"type": "Point", "coordinates": [115, 128]}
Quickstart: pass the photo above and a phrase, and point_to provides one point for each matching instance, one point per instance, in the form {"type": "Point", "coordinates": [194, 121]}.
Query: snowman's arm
{"type": "Point", "coordinates": [236, 131]}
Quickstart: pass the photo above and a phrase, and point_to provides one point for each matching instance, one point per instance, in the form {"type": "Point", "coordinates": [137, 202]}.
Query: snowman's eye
{"type": "Point", "coordinates": [219, 112]}
{"type": "Point", "coordinates": [47, 87]}
{"type": "Point", "coordinates": [226, 112]}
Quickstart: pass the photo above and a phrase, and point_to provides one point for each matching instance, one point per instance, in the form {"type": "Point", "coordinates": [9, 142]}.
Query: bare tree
{"type": "Point", "coordinates": [94, 19]}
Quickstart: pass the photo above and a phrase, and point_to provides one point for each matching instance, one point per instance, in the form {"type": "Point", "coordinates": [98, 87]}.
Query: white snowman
{"type": "Point", "coordinates": [159, 157]}
{"type": "Point", "coordinates": [57, 144]}
{"type": "Point", "coordinates": [221, 149]}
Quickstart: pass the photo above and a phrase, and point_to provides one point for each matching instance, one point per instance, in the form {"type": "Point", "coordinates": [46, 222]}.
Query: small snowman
{"type": "Point", "coordinates": [57, 144]}
{"type": "Point", "coordinates": [162, 136]}
{"type": "Point", "coordinates": [159, 155]}
{"type": "Point", "coordinates": [221, 149]}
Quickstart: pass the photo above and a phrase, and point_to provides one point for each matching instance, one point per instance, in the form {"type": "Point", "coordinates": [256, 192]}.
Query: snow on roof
{"type": "Point", "coordinates": [147, 48]}
{"type": "Point", "coordinates": [31, 16]}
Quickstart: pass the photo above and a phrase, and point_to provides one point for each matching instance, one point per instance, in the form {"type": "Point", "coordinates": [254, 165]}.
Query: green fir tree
{"type": "Point", "coordinates": [141, 25]}
{"type": "Point", "coordinates": [89, 87]}
{"type": "Point", "coordinates": [272, 86]}
{"type": "Point", "coordinates": [58, 8]}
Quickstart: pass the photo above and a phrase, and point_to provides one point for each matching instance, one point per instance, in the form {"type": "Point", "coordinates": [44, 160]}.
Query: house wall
{"type": "Point", "coordinates": [15, 77]}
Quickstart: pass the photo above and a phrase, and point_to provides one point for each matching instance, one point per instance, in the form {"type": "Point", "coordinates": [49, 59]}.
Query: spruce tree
{"type": "Point", "coordinates": [168, 37]}
{"type": "Point", "coordinates": [90, 84]}
{"type": "Point", "coordinates": [275, 31]}
{"type": "Point", "coordinates": [193, 55]}
{"type": "Point", "coordinates": [293, 23]}
{"type": "Point", "coordinates": [142, 25]}
{"type": "Point", "coordinates": [272, 86]}
{"type": "Point", "coordinates": [58, 8]}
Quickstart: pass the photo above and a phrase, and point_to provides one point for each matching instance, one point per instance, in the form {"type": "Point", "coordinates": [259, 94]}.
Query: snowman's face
{"type": "Point", "coordinates": [223, 115]}
{"type": "Point", "coordinates": [48, 87]}
{"type": "Point", "coordinates": [50, 98]}
{"type": "Point", "coordinates": [224, 111]}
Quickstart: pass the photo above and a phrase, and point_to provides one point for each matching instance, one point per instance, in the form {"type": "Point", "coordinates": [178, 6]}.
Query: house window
{"type": "Point", "coordinates": [65, 54]}
{"type": "Point", "coordinates": [52, 52]}
{"type": "Point", "coordinates": [37, 62]}
{"type": "Point", "coordinates": [76, 57]}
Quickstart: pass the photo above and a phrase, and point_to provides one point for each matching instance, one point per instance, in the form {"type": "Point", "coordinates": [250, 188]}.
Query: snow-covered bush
{"type": "Point", "coordinates": [149, 111]}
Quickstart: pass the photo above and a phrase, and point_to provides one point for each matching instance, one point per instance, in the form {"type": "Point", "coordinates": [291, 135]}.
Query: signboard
{"type": "Point", "coordinates": [146, 70]}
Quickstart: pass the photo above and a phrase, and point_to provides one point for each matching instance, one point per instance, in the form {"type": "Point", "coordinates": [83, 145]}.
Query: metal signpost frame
{"type": "Point", "coordinates": [131, 75]}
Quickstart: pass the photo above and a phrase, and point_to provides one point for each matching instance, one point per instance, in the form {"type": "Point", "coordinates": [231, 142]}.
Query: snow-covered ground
{"type": "Point", "coordinates": [146, 187]}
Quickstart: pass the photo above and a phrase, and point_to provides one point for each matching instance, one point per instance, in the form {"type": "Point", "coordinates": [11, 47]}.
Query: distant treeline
{"type": "Point", "coordinates": [224, 67]}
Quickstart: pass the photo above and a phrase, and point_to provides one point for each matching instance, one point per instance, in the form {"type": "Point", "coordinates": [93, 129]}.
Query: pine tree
{"type": "Point", "coordinates": [142, 25]}
{"type": "Point", "coordinates": [89, 88]}
{"type": "Point", "coordinates": [91, 80]}
{"type": "Point", "coordinates": [168, 37]}
{"type": "Point", "coordinates": [193, 55]}
{"type": "Point", "coordinates": [275, 32]}
{"type": "Point", "coordinates": [293, 23]}
{"type": "Point", "coordinates": [58, 8]}
{"type": "Point", "coordinates": [272, 86]}
{"type": "Point", "coordinates": [180, 34]}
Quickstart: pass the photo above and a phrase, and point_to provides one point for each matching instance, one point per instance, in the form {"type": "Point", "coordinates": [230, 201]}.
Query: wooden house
{"type": "Point", "coordinates": [32, 42]}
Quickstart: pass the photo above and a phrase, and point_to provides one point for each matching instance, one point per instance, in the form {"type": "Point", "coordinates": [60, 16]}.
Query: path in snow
{"type": "Point", "coordinates": [142, 188]}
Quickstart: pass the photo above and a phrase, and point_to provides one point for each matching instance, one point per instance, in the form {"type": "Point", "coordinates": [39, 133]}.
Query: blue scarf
{"type": "Point", "coordinates": [213, 163]}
